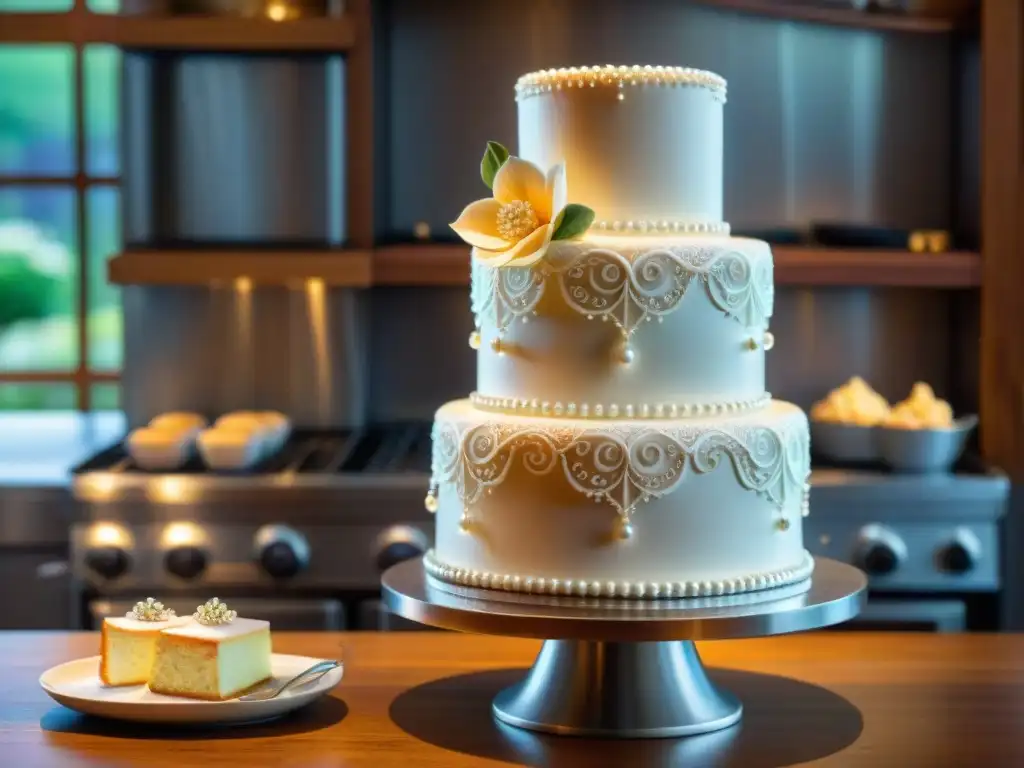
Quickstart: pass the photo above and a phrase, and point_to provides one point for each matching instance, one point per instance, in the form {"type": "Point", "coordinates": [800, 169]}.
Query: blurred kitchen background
{"type": "Point", "coordinates": [215, 205]}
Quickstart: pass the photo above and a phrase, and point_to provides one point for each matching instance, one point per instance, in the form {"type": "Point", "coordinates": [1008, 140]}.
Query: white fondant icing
{"type": "Point", "coordinates": [633, 150]}
{"type": "Point", "coordinates": [621, 463]}
{"type": "Point", "coordinates": [543, 495]}
{"type": "Point", "coordinates": [688, 307]}
{"type": "Point", "coordinates": [654, 322]}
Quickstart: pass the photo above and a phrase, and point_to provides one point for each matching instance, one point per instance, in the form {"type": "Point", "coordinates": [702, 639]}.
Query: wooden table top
{"type": "Point", "coordinates": [422, 699]}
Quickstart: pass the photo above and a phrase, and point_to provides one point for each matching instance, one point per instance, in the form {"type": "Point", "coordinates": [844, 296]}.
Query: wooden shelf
{"type": "Point", "coordinates": [810, 265]}
{"type": "Point", "coordinates": [45, 28]}
{"type": "Point", "coordinates": [448, 265]}
{"type": "Point", "coordinates": [180, 33]}
{"type": "Point", "coordinates": [421, 264]}
{"type": "Point", "coordinates": [345, 268]}
{"type": "Point", "coordinates": [794, 265]}
{"type": "Point", "coordinates": [801, 10]}
{"type": "Point", "coordinates": [234, 34]}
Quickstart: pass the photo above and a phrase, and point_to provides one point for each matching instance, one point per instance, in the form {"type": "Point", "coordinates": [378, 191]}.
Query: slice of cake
{"type": "Point", "coordinates": [216, 656]}
{"type": "Point", "coordinates": [128, 644]}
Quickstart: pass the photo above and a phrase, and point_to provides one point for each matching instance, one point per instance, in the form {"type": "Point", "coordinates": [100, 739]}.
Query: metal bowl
{"type": "Point", "coordinates": [924, 451]}
{"type": "Point", "coordinates": [843, 443]}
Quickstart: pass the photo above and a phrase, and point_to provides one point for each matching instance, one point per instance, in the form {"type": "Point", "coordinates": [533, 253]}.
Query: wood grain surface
{"type": "Point", "coordinates": [1002, 233]}
{"type": "Point", "coordinates": [422, 699]}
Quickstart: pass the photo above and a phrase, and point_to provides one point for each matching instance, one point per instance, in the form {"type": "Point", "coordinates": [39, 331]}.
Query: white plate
{"type": "Point", "coordinates": [77, 686]}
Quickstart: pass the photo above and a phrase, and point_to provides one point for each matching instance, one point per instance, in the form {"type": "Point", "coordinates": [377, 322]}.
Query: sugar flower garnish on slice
{"type": "Point", "coordinates": [214, 612]}
{"type": "Point", "coordinates": [528, 210]}
{"type": "Point", "coordinates": [150, 610]}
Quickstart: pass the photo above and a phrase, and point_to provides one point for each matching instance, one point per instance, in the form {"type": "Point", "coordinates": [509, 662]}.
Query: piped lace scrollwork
{"type": "Point", "coordinates": [620, 465]}
{"type": "Point", "coordinates": [628, 288]}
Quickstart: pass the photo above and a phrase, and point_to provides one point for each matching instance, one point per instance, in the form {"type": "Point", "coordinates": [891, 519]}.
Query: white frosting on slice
{"type": "Point", "coordinates": [134, 625]}
{"type": "Point", "coordinates": [218, 632]}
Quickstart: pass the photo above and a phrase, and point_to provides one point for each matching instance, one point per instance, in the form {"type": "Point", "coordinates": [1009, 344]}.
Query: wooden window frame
{"type": "Point", "coordinates": [68, 28]}
{"type": "Point", "coordinates": [80, 27]}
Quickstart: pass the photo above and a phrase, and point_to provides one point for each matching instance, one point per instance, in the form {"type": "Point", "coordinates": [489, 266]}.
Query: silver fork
{"type": "Point", "coordinates": [315, 672]}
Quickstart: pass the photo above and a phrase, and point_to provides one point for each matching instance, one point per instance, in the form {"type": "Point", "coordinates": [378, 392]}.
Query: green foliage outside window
{"type": "Point", "coordinates": [39, 260]}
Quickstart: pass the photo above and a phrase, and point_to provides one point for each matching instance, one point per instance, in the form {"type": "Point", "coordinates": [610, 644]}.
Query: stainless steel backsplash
{"type": "Point", "coordinates": [233, 149]}
{"type": "Point", "coordinates": [398, 353]}
{"type": "Point", "coordinates": [300, 351]}
{"type": "Point", "coordinates": [822, 123]}
{"type": "Point", "coordinates": [891, 337]}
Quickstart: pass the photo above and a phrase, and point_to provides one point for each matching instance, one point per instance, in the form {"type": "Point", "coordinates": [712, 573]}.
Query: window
{"type": "Point", "coordinates": [60, 322]}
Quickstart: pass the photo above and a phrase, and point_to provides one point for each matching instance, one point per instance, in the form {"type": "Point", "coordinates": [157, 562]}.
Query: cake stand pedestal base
{"type": "Point", "coordinates": [623, 668]}
{"type": "Point", "coordinates": [621, 690]}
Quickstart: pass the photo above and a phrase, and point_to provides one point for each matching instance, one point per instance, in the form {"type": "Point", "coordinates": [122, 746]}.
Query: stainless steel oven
{"type": "Point", "coordinates": [930, 544]}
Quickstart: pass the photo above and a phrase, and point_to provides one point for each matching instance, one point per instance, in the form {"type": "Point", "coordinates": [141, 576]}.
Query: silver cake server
{"type": "Point", "coordinates": [315, 672]}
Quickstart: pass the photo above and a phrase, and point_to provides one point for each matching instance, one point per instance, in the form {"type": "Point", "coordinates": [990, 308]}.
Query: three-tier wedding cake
{"type": "Point", "coordinates": [620, 442]}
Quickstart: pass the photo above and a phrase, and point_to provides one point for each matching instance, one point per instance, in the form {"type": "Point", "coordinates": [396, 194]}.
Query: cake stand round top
{"type": "Point", "coordinates": [835, 593]}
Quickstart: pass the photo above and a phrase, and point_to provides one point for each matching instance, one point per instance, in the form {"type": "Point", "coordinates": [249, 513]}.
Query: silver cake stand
{"type": "Point", "coordinates": [622, 668]}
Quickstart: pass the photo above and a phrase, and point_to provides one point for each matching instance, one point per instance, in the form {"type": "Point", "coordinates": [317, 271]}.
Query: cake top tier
{"type": "Point", "coordinates": [617, 77]}
{"type": "Point", "coordinates": [640, 145]}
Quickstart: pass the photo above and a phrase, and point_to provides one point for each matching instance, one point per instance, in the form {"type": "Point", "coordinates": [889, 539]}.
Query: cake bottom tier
{"type": "Point", "coordinates": [630, 509]}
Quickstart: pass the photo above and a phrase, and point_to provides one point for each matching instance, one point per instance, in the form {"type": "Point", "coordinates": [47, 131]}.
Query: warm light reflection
{"type": "Point", "coordinates": [315, 287]}
{"type": "Point", "coordinates": [172, 490]}
{"type": "Point", "coordinates": [242, 382]}
{"type": "Point", "coordinates": [98, 487]}
{"type": "Point", "coordinates": [277, 11]}
{"type": "Point", "coordinates": [315, 295]}
{"type": "Point", "coordinates": [107, 534]}
{"type": "Point", "coordinates": [182, 534]}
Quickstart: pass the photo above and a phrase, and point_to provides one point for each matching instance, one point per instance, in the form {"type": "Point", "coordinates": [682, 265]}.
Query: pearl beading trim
{"type": "Point", "coordinates": [535, 407]}
{"type": "Point", "coordinates": [609, 75]}
{"type": "Point", "coordinates": [635, 590]}
{"type": "Point", "coordinates": [662, 226]}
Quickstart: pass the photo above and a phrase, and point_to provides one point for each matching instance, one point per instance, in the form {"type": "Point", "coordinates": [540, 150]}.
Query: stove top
{"type": "Point", "coordinates": [396, 455]}
{"type": "Point", "coordinates": [343, 505]}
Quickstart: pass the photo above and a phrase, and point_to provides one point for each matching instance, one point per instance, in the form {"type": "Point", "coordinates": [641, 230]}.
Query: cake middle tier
{"type": "Point", "coordinates": [635, 327]}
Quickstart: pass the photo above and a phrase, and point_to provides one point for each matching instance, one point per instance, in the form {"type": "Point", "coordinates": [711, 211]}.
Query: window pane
{"type": "Point", "coordinates": [104, 212]}
{"type": "Point", "coordinates": [102, 81]}
{"type": "Point", "coordinates": [38, 273]}
{"type": "Point", "coordinates": [38, 397]}
{"type": "Point", "coordinates": [34, 6]}
{"type": "Point", "coordinates": [37, 127]}
{"type": "Point", "coordinates": [105, 397]}
{"type": "Point", "coordinates": [103, 6]}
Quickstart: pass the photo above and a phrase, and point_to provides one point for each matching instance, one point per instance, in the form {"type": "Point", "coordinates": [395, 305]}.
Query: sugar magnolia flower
{"type": "Point", "coordinates": [528, 210]}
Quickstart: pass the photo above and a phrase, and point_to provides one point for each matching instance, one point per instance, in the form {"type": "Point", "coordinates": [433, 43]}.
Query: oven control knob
{"type": "Point", "coordinates": [879, 559]}
{"type": "Point", "coordinates": [960, 555]}
{"type": "Point", "coordinates": [398, 544]}
{"type": "Point", "coordinates": [282, 552]}
{"type": "Point", "coordinates": [879, 551]}
{"type": "Point", "coordinates": [108, 562]}
{"type": "Point", "coordinates": [185, 562]}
